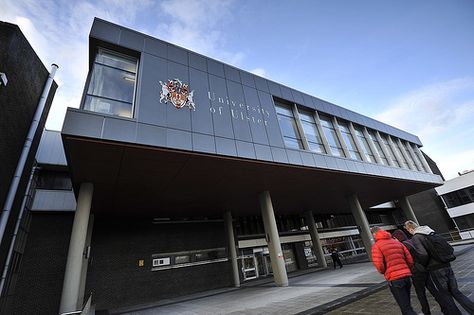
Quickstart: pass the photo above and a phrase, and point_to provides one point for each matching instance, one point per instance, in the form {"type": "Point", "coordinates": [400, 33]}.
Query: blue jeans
{"type": "Point", "coordinates": [447, 285]}
{"type": "Point", "coordinates": [400, 289]}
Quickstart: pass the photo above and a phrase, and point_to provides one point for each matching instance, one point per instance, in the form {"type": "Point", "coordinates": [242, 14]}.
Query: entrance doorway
{"type": "Point", "coordinates": [256, 263]}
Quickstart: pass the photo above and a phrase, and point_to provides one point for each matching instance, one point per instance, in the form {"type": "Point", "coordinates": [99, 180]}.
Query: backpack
{"type": "Point", "coordinates": [439, 249]}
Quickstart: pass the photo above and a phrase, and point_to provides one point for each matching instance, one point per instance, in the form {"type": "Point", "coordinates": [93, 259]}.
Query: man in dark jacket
{"type": "Point", "coordinates": [335, 258]}
{"type": "Point", "coordinates": [393, 260]}
{"type": "Point", "coordinates": [420, 278]}
{"type": "Point", "coordinates": [440, 272]}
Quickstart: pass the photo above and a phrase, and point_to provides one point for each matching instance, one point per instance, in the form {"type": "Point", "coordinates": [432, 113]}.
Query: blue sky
{"type": "Point", "coordinates": [407, 63]}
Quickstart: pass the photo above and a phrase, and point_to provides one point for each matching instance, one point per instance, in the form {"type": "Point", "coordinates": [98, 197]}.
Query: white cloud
{"type": "Point", "coordinates": [441, 115]}
{"type": "Point", "coordinates": [259, 71]}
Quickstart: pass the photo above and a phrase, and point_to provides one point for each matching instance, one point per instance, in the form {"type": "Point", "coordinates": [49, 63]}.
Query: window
{"type": "Point", "coordinates": [417, 158]}
{"type": "Point", "coordinates": [54, 180]}
{"type": "Point", "coordinates": [409, 155]}
{"type": "Point", "coordinates": [331, 136]}
{"type": "Point", "coordinates": [459, 197]}
{"type": "Point", "coordinates": [349, 140]}
{"type": "Point", "coordinates": [112, 84]}
{"type": "Point", "coordinates": [365, 144]}
{"type": "Point", "coordinates": [378, 147]}
{"type": "Point", "coordinates": [389, 150]}
{"type": "Point", "coordinates": [311, 131]}
{"type": "Point", "coordinates": [288, 126]}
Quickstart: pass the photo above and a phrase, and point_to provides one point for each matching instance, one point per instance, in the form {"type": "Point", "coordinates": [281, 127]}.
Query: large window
{"type": "Point", "coordinates": [331, 136]}
{"type": "Point", "coordinates": [389, 150]}
{"type": "Point", "coordinates": [311, 131]}
{"type": "Point", "coordinates": [54, 180]}
{"type": "Point", "coordinates": [365, 144]}
{"type": "Point", "coordinates": [288, 126]}
{"type": "Point", "coordinates": [459, 197]}
{"type": "Point", "coordinates": [415, 149]}
{"type": "Point", "coordinates": [378, 147]}
{"type": "Point", "coordinates": [349, 140]}
{"type": "Point", "coordinates": [112, 84]}
{"type": "Point", "coordinates": [412, 157]}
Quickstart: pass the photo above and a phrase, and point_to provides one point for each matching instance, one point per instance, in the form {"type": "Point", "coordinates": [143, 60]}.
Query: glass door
{"type": "Point", "coordinates": [249, 269]}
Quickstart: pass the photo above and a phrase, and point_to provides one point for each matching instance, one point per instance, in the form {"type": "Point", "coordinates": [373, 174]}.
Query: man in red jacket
{"type": "Point", "coordinates": [393, 260]}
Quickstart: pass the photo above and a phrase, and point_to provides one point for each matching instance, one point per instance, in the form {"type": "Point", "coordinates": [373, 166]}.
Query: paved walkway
{"type": "Point", "coordinates": [354, 289]}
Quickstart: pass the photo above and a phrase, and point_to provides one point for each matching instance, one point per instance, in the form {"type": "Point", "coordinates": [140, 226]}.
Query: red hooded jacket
{"type": "Point", "coordinates": [390, 257]}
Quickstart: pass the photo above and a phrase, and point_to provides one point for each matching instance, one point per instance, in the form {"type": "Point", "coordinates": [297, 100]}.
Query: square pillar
{"type": "Point", "coordinates": [318, 248]}
{"type": "Point", "coordinates": [72, 275]}
{"type": "Point", "coordinates": [273, 240]}
{"type": "Point", "coordinates": [232, 249]}
{"type": "Point", "coordinates": [362, 223]}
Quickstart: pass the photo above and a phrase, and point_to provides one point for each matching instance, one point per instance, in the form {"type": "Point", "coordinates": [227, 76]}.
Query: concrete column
{"type": "Point", "coordinates": [422, 159]}
{"type": "Point", "coordinates": [406, 156]}
{"type": "Point", "coordinates": [341, 139]}
{"type": "Point", "coordinates": [414, 157]}
{"type": "Point", "coordinates": [362, 223]}
{"type": "Point", "coordinates": [407, 209]}
{"type": "Point", "coordinates": [384, 149]}
{"type": "Point", "coordinates": [273, 240]}
{"type": "Point", "coordinates": [318, 248]}
{"type": "Point", "coordinates": [321, 133]}
{"type": "Point", "coordinates": [357, 142]}
{"type": "Point", "coordinates": [372, 146]}
{"type": "Point", "coordinates": [232, 250]}
{"type": "Point", "coordinates": [72, 275]}
{"type": "Point", "coordinates": [85, 261]}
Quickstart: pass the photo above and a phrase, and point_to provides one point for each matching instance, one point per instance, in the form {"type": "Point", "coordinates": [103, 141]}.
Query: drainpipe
{"type": "Point", "coordinates": [24, 154]}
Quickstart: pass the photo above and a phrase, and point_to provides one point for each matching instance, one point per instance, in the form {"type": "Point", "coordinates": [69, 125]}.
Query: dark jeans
{"type": "Point", "coordinates": [422, 280]}
{"type": "Point", "coordinates": [401, 292]}
{"type": "Point", "coordinates": [338, 261]}
{"type": "Point", "coordinates": [447, 285]}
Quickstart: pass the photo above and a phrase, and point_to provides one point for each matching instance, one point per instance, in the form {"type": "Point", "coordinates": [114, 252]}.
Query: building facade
{"type": "Point", "coordinates": [22, 88]}
{"type": "Point", "coordinates": [190, 175]}
{"type": "Point", "coordinates": [457, 195]}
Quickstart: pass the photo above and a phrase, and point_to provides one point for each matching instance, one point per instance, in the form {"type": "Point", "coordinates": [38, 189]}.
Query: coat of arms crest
{"type": "Point", "coordinates": [177, 93]}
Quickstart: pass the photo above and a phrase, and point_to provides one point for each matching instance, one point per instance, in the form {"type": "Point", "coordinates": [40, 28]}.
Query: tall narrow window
{"type": "Point", "coordinates": [417, 157]}
{"type": "Point", "coordinates": [365, 144]}
{"type": "Point", "coordinates": [112, 84]}
{"type": "Point", "coordinates": [378, 147]}
{"type": "Point", "coordinates": [349, 140]}
{"type": "Point", "coordinates": [410, 156]}
{"type": "Point", "coordinates": [288, 126]}
{"type": "Point", "coordinates": [389, 150]}
{"type": "Point", "coordinates": [400, 154]}
{"type": "Point", "coordinates": [331, 137]}
{"type": "Point", "coordinates": [311, 131]}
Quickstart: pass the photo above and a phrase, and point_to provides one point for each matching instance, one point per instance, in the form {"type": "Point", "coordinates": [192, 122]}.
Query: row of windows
{"type": "Point", "coordinates": [187, 258]}
{"type": "Point", "coordinates": [459, 197]}
{"type": "Point", "coordinates": [306, 130]}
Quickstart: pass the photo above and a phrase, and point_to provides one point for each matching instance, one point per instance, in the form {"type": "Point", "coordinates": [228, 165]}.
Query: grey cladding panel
{"type": "Point", "coordinates": [261, 84]}
{"type": "Point", "coordinates": [201, 118]}
{"type": "Point", "coordinates": [263, 152]}
{"type": "Point", "coordinates": [83, 124]}
{"type": "Point", "coordinates": [308, 101]}
{"type": "Point", "coordinates": [286, 93]}
{"type": "Point", "coordinates": [245, 149]}
{"type": "Point", "coordinates": [279, 155]}
{"type": "Point", "coordinates": [257, 121]}
{"type": "Point", "coordinates": [294, 157]}
{"type": "Point", "coordinates": [247, 79]}
{"type": "Point", "coordinates": [203, 143]}
{"type": "Point", "coordinates": [240, 118]}
{"type": "Point", "coordinates": [297, 97]}
{"type": "Point", "coordinates": [197, 62]}
{"type": "Point", "coordinates": [155, 47]}
{"type": "Point", "coordinates": [150, 110]}
{"type": "Point", "coordinates": [222, 117]}
{"type": "Point", "coordinates": [274, 89]}
{"type": "Point", "coordinates": [151, 135]}
{"type": "Point", "coordinates": [177, 54]}
{"type": "Point", "coordinates": [307, 159]}
{"type": "Point", "coordinates": [105, 31]}
{"type": "Point", "coordinates": [232, 73]}
{"type": "Point", "coordinates": [178, 118]}
{"type": "Point", "coordinates": [119, 130]}
{"type": "Point", "coordinates": [272, 126]}
{"type": "Point", "coordinates": [132, 40]}
{"type": "Point", "coordinates": [215, 68]}
{"type": "Point", "coordinates": [226, 146]}
{"type": "Point", "coordinates": [178, 139]}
